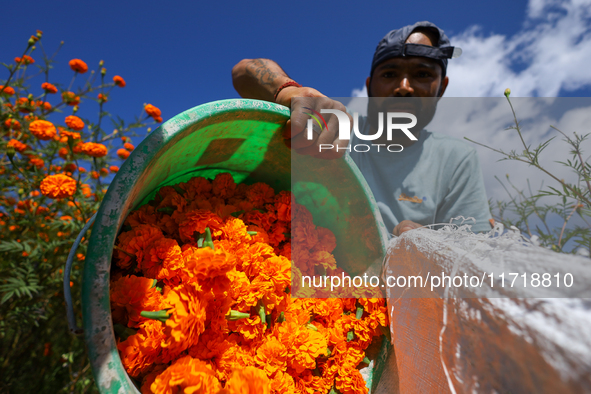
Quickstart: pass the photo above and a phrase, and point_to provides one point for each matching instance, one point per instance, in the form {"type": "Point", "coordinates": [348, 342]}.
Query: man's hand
{"type": "Point", "coordinates": [294, 131]}
{"type": "Point", "coordinates": [404, 226]}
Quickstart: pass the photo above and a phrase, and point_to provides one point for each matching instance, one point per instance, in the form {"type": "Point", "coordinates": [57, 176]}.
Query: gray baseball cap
{"type": "Point", "coordinates": [393, 45]}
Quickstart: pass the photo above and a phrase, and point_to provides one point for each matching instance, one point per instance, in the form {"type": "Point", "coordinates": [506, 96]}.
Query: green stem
{"type": "Point", "coordinates": [235, 315]}
{"type": "Point", "coordinates": [518, 129]}
{"type": "Point", "coordinates": [260, 308]}
{"type": "Point", "coordinates": [359, 312]}
{"type": "Point", "coordinates": [208, 241]}
{"type": "Point", "coordinates": [157, 315]}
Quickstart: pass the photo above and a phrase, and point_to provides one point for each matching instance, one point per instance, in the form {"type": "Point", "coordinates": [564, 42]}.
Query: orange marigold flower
{"type": "Point", "coordinates": [135, 242]}
{"type": "Point", "coordinates": [102, 98]}
{"type": "Point", "coordinates": [82, 170]}
{"type": "Point", "coordinates": [58, 186]}
{"type": "Point", "coordinates": [7, 90]}
{"type": "Point", "coordinates": [122, 153]}
{"type": "Point", "coordinates": [26, 59]}
{"type": "Point", "coordinates": [187, 319]}
{"type": "Point", "coordinates": [250, 380]}
{"type": "Point", "coordinates": [41, 210]}
{"type": "Point", "coordinates": [309, 344]}
{"type": "Point", "coordinates": [152, 111]}
{"type": "Point", "coordinates": [271, 356]}
{"type": "Point", "coordinates": [36, 161]}
{"type": "Point", "coordinates": [197, 220]}
{"type": "Point", "coordinates": [130, 295]}
{"type": "Point", "coordinates": [12, 124]}
{"type": "Point", "coordinates": [188, 375]}
{"type": "Point", "coordinates": [104, 172]}
{"type": "Point", "coordinates": [94, 175]}
{"type": "Point", "coordinates": [71, 167]}
{"type": "Point", "coordinates": [17, 145]}
{"type": "Point", "coordinates": [42, 129]}
{"type": "Point", "coordinates": [350, 381]}
{"type": "Point", "coordinates": [25, 105]}
{"type": "Point", "coordinates": [49, 88]}
{"type": "Point", "coordinates": [78, 66]}
{"type": "Point", "coordinates": [44, 104]}
{"type": "Point", "coordinates": [205, 263]}
{"type": "Point", "coordinates": [113, 168]}
{"type": "Point", "coordinates": [224, 185]}
{"type": "Point", "coordinates": [119, 81]}
{"type": "Point", "coordinates": [139, 352]}
{"type": "Point", "coordinates": [94, 149]}
{"type": "Point", "coordinates": [163, 260]}
{"type": "Point", "coordinates": [86, 191]}
{"type": "Point", "coordinates": [74, 122]}
{"type": "Point", "coordinates": [70, 98]}
{"type": "Point", "coordinates": [158, 119]}
{"type": "Point", "coordinates": [282, 382]}
{"type": "Point", "coordinates": [129, 146]}
{"type": "Point", "coordinates": [64, 134]}
{"type": "Point", "coordinates": [63, 153]}
{"type": "Point", "coordinates": [77, 148]}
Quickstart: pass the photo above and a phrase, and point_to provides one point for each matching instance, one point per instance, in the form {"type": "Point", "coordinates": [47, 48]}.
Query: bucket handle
{"type": "Point", "coordinates": [74, 329]}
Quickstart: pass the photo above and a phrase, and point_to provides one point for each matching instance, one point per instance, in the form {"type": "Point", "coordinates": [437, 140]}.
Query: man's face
{"type": "Point", "coordinates": [407, 79]}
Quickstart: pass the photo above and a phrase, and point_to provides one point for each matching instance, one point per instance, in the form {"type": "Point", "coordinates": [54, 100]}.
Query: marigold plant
{"type": "Point", "coordinates": [48, 153]}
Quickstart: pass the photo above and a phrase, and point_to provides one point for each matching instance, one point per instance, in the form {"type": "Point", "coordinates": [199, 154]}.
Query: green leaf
{"type": "Point", "coordinates": [11, 246]}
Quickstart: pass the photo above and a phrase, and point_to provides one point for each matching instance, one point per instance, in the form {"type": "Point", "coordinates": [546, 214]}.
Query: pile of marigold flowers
{"type": "Point", "coordinates": [201, 296]}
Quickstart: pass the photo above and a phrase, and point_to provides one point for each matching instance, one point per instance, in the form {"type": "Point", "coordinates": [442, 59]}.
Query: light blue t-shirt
{"type": "Point", "coordinates": [436, 179]}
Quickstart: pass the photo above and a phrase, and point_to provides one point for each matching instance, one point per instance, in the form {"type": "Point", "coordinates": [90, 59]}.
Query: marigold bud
{"type": "Point", "coordinates": [507, 92]}
{"type": "Point", "coordinates": [101, 63]}
{"type": "Point", "coordinates": [39, 34]}
{"type": "Point", "coordinates": [103, 71]}
{"type": "Point", "coordinates": [31, 41]}
{"type": "Point", "coordinates": [10, 151]}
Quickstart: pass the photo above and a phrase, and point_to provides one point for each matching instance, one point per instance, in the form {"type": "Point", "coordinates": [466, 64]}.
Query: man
{"type": "Point", "coordinates": [434, 178]}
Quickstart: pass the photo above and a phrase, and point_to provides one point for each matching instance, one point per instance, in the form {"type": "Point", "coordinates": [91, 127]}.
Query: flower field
{"type": "Point", "coordinates": [55, 167]}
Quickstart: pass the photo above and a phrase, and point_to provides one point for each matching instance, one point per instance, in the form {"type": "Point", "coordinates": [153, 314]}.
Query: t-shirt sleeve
{"type": "Point", "coordinates": [466, 196]}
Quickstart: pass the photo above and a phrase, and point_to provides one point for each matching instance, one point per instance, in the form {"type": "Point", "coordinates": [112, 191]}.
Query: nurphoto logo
{"type": "Point", "coordinates": [345, 129]}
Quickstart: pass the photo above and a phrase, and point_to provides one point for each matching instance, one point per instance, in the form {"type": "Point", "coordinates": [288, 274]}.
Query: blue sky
{"type": "Point", "coordinates": [180, 55]}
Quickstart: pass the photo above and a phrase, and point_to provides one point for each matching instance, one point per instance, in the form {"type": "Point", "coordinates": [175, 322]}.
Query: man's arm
{"type": "Point", "coordinates": [260, 78]}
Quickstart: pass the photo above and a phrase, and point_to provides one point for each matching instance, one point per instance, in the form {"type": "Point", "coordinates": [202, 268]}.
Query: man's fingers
{"type": "Point", "coordinates": [404, 226]}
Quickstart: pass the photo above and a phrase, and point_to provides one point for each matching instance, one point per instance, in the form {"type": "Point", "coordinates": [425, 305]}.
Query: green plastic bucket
{"type": "Point", "coordinates": [242, 137]}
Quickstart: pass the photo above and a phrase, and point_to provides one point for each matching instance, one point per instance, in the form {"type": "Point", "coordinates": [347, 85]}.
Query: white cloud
{"type": "Point", "coordinates": [486, 121]}
{"type": "Point", "coordinates": [551, 52]}
{"type": "Point", "coordinates": [359, 92]}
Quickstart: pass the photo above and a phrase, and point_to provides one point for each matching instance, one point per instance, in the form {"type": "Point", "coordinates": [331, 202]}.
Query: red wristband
{"type": "Point", "coordinates": [286, 84]}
